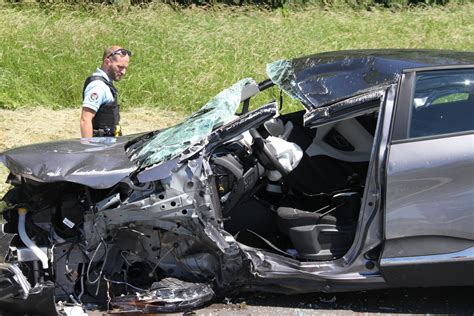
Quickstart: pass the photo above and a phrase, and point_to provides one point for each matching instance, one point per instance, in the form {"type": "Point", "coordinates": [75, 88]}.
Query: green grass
{"type": "Point", "coordinates": [183, 57]}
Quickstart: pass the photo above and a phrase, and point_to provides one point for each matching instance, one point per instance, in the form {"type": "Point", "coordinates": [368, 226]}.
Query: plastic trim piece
{"type": "Point", "coordinates": [463, 255]}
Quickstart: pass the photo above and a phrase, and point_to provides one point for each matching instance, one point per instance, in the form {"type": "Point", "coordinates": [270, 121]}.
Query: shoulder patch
{"type": "Point", "coordinates": [93, 96]}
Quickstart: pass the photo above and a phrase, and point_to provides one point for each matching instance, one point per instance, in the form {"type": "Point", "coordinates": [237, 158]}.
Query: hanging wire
{"type": "Point", "coordinates": [102, 241]}
{"type": "Point", "coordinates": [125, 283]}
{"type": "Point", "coordinates": [159, 260]}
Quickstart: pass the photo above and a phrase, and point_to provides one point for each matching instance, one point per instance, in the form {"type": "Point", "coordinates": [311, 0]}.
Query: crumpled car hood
{"type": "Point", "coordinates": [322, 79]}
{"type": "Point", "coordinates": [96, 162]}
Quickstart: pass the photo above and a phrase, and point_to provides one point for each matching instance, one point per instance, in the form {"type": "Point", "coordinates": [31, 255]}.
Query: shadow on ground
{"type": "Point", "coordinates": [446, 300]}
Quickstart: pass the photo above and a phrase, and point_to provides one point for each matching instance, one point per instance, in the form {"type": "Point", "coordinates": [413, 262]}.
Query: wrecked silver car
{"type": "Point", "coordinates": [370, 186]}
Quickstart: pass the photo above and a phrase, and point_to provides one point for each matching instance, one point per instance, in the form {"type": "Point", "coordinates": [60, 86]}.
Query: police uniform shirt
{"type": "Point", "coordinates": [97, 92]}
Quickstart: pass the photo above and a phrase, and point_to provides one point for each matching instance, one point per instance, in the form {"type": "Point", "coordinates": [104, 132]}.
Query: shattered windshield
{"type": "Point", "coordinates": [282, 74]}
{"type": "Point", "coordinates": [171, 142]}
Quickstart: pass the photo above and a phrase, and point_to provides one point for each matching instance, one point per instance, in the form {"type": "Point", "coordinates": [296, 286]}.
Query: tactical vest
{"type": "Point", "coordinates": [107, 117]}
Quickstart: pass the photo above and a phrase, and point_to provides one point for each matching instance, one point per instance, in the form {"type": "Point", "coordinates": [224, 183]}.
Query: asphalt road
{"type": "Point", "coordinates": [448, 300]}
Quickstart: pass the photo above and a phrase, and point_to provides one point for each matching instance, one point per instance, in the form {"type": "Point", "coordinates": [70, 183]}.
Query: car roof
{"type": "Point", "coordinates": [325, 78]}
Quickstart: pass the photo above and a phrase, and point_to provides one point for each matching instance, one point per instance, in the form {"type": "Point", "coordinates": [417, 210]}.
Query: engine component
{"type": "Point", "coordinates": [42, 256]}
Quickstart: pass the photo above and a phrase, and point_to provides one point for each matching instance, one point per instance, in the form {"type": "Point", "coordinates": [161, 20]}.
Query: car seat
{"type": "Point", "coordinates": [325, 233]}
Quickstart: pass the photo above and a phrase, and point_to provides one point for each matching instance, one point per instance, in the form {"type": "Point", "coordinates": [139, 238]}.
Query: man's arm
{"type": "Point", "coordinates": [86, 122]}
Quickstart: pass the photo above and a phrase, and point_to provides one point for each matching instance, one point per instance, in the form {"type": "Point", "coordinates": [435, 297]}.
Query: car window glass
{"type": "Point", "coordinates": [443, 103]}
{"type": "Point", "coordinates": [172, 142]}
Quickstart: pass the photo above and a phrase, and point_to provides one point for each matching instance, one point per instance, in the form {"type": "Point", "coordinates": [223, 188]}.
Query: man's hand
{"type": "Point", "coordinates": [86, 122]}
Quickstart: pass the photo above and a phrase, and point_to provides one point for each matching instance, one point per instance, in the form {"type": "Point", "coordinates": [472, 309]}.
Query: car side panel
{"type": "Point", "coordinates": [430, 211]}
{"type": "Point", "coordinates": [430, 188]}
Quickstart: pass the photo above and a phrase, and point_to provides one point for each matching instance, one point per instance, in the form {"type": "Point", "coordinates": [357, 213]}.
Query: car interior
{"type": "Point", "coordinates": [311, 212]}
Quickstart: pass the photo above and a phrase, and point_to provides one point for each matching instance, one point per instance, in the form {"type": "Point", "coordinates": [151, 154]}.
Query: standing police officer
{"type": "Point", "coordinates": [100, 109]}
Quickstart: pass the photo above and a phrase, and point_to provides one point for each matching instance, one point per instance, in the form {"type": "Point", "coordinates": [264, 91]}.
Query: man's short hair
{"type": "Point", "coordinates": [110, 50]}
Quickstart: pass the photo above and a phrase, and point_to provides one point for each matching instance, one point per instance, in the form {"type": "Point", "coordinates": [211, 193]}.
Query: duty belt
{"type": "Point", "coordinates": [107, 132]}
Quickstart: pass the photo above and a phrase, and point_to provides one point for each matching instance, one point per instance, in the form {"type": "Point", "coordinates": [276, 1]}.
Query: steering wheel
{"type": "Point", "coordinates": [264, 155]}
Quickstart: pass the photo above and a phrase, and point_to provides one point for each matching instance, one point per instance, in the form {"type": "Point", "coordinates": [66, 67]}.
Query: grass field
{"type": "Point", "coordinates": [183, 57]}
